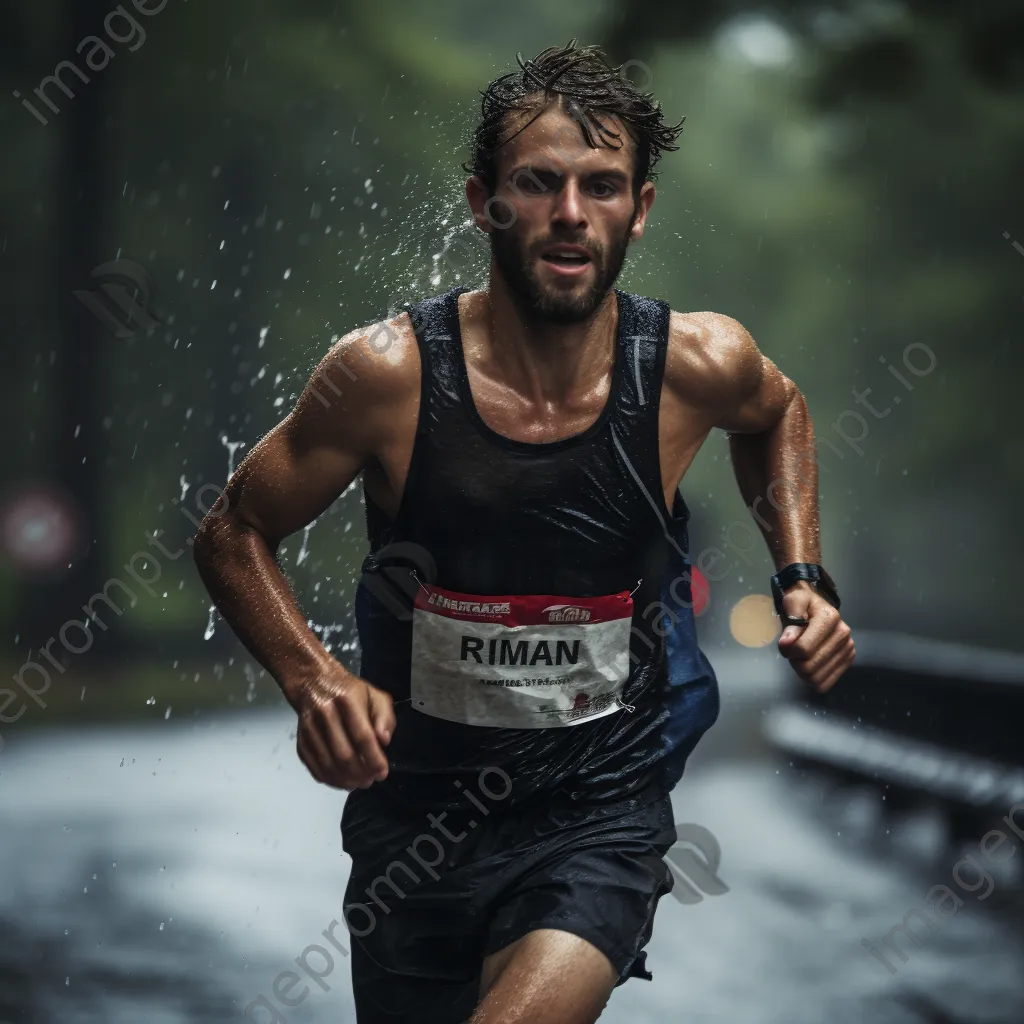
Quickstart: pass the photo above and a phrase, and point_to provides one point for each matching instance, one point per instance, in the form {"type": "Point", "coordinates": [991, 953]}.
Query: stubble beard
{"type": "Point", "coordinates": [550, 304]}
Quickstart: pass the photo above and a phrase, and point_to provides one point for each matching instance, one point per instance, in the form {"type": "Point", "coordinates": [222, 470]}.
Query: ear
{"type": "Point", "coordinates": [477, 196]}
{"type": "Point", "coordinates": [647, 193]}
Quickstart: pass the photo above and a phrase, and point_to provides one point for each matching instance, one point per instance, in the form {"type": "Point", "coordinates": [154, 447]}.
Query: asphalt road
{"type": "Point", "coordinates": [168, 874]}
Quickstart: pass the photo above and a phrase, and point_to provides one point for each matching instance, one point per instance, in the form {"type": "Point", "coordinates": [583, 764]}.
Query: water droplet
{"type": "Point", "coordinates": [210, 625]}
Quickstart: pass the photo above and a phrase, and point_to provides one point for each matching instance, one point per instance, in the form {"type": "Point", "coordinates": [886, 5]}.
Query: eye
{"type": "Point", "coordinates": [532, 184]}
{"type": "Point", "coordinates": [608, 189]}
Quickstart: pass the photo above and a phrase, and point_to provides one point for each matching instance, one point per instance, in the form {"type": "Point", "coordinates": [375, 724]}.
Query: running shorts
{"type": "Point", "coordinates": [430, 896]}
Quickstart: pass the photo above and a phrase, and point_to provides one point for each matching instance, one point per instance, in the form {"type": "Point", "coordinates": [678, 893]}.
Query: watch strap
{"type": "Point", "coordinates": [792, 573]}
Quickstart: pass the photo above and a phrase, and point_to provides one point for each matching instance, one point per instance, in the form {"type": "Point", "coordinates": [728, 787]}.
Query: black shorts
{"type": "Point", "coordinates": [428, 899]}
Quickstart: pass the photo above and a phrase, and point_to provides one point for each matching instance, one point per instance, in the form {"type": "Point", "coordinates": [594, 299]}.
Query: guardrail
{"type": "Point", "coordinates": [923, 715]}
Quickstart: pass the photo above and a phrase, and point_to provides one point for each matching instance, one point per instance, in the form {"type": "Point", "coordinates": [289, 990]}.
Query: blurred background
{"type": "Point", "coordinates": [197, 199]}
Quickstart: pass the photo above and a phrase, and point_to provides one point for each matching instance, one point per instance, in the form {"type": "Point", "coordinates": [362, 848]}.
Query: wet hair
{"type": "Point", "coordinates": [585, 85]}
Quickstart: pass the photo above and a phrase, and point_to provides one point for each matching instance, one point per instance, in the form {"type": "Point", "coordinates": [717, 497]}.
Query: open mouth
{"type": "Point", "coordinates": [568, 260]}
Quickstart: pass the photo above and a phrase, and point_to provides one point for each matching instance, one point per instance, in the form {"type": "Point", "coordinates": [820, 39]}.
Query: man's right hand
{"type": "Point", "coordinates": [292, 476]}
{"type": "Point", "coordinates": [344, 724]}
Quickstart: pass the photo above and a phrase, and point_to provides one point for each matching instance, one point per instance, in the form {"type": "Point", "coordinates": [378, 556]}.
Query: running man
{"type": "Point", "coordinates": [516, 727]}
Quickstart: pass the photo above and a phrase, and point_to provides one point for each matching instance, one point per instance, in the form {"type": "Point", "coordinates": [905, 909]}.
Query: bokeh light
{"type": "Point", "coordinates": [700, 590]}
{"type": "Point", "coordinates": [39, 529]}
{"type": "Point", "coordinates": [753, 621]}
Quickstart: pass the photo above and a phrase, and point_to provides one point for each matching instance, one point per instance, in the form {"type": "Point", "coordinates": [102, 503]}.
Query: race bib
{"type": "Point", "coordinates": [519, 662]}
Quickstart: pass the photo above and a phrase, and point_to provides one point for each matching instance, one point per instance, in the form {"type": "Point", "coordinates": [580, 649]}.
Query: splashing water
{"type": "Point", "coordinates": [210, 625]}
{"type": "Point", "coordinates": [457, 253]}
{"type": "Point", "coordinates": [232, 447]}
{"type": "Point", "coordinates": [324, 633]}
{"type": "Point", "coordinates": [431, 246]}
{"type": "Point", "coordinates": [304, 550]}
{"type": "Point", "coordinates": [250, 675]}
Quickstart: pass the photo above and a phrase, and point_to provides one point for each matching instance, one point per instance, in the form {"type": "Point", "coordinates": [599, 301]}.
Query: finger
{"type": "Point", "coordinates": [328, 772]}
{"type": "Point", "coordinates": [790, 650]}
{"type": "Point", "coordinates": [824, 621]}
{"type": "Point", "coordinates": [308, 756]}
{"type": "Point", "coordinates": [796, 605]}
{"type": "Point", "coordinates": [833, 643]}
{"type": "Point", "coordinates": [382, 714]}
{"type": "Point", "coordinates": [829, 673]}
{"type": "Point", "coordinates": [345, 765]}
{"type": "Point", "coordinates": [315, 745]}
{"type": "Point", "coordinates": [831, 679]}
{"type": "Point", "coordinates": [356, 718]}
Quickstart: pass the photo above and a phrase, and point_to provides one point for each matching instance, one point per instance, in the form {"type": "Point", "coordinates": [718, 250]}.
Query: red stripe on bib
{"type": "Point", "coordinates": [524, 609]}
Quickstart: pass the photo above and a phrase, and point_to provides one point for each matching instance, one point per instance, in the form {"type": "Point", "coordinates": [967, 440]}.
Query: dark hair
{"type": "Point", "coordinates": [585, 84]}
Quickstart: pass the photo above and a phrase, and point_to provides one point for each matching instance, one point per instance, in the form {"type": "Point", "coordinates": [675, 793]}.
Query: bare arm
{"type": "Point", "coordinates": [771, 440]}
{"type": "Point", "coordinates": [289, 478]}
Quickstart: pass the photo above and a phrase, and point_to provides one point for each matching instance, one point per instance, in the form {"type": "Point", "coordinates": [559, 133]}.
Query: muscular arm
{"type": "Point", "coordinates": [771, 440]}
{"type": "Point", "coordinates": [291, 476]}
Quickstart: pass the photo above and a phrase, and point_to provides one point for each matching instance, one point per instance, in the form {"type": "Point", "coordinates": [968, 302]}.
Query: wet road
{"type": "Point", "coordinates": [169, 874]}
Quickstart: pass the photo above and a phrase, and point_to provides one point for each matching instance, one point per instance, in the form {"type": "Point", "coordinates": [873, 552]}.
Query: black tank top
{"type": "Point", "coordinates": [485, 515]}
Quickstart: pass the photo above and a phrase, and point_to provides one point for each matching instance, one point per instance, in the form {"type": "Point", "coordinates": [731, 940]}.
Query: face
{"type": "Point", "coordinates": [561, 217]}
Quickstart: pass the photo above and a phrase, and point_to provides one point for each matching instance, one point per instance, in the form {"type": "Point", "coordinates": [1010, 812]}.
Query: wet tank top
{"type": "Point", "coordinates": [529, 609]}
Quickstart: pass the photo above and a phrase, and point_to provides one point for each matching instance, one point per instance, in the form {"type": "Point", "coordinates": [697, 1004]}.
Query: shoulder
{"type": "Point", "coordinates": [362, 388]}
{"type": "Point", "coordinates": [374, 363]}
{"type": "Point", "coordinates": [711, 359]}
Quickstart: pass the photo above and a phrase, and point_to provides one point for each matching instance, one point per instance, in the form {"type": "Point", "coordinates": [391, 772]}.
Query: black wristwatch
{"type": "Point", "coordinates": [809, 571]}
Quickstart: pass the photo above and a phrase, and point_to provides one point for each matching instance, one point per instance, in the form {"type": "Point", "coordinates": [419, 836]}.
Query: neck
{"type": "Point", "coordinates": [544, 360]}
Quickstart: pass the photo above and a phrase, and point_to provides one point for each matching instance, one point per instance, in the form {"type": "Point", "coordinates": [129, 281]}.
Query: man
{"type": "Point", "coordinates": [511, 739]}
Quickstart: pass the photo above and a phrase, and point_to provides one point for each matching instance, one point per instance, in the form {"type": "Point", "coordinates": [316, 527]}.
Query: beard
{"type": "Point", "coordinates": [549, 303]}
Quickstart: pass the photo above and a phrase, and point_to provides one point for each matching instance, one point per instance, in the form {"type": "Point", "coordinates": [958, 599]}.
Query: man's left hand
{"type": "Point", "coordinates": [821, 651]}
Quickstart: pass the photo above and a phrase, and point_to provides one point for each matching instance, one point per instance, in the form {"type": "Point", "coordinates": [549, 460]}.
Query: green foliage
{"type": "Point", "coordinates": [287, 172]}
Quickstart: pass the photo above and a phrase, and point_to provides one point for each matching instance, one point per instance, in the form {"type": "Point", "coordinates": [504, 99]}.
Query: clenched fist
{"type": "Point", "coordinates": [821, 651]}
{"type": "Point", "coordinates": [344, 724]}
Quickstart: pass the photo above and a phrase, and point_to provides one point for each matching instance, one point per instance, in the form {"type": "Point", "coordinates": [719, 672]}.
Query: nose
{"type": "Point", "coordinates": [569, 205]}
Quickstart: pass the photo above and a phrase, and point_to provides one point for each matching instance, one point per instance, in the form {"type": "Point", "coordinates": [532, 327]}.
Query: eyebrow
{"type": "Point", "coordinates": [540, 172]}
